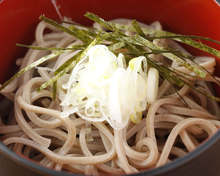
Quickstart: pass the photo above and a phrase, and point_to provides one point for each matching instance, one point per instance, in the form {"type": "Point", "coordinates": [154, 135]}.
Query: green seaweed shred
{"type": "Point", "coordinates": [189, 41]}
{"type": "Point", "coordinates": [132, 46]}
{"type": "Point", "coordinates": [54, 91]}
{"type": "Point", "coordinates": [68, 65]}
{"type": "Point", "coordinates": [137, 28]}
{"type": "Point", "coordinates": [72, 30]}
{"type": "Point", "coordinates": [74, 47]}
{"type": "Point", "coordinates": [31, 66]}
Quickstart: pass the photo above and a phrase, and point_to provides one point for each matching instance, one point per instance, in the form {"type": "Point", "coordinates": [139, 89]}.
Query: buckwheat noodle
{"type": "Point", "coordinates": [169, 129]}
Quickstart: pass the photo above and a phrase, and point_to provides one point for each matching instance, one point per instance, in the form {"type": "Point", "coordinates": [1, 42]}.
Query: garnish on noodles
{"type": "Point", "coordinates": [115, 98]}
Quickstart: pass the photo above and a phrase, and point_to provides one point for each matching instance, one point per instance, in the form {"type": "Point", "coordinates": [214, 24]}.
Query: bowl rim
{"type": "Point", "coordinates": [4, 150]}
{"type": "Point", "coordinates": [37, 168]}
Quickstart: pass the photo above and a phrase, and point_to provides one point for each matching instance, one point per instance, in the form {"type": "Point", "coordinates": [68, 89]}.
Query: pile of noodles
{"type": "Point", "coordinates": [173, 125]}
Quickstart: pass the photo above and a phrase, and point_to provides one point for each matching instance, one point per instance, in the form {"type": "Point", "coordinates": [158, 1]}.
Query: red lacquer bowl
{"type": "Point", "coordinates": [18, 19]}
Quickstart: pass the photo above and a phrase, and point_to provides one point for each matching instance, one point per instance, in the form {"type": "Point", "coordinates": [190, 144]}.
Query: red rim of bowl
{"type": "Point", "coordinates": [163, 169]}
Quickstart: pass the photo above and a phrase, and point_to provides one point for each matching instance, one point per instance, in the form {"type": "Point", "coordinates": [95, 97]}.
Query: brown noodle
{"type": "Point", "coordinates": [170, 129]}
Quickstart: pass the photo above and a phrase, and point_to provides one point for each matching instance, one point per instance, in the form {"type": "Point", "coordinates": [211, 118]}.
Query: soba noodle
{"type": "Point", "coordinates": [170, 127]}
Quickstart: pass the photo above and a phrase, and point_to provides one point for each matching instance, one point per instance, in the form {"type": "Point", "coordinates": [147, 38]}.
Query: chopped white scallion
{"type": "Point", "coordinates": [152, 84]}
{"type": "Point", "coordinates": [101, 87]}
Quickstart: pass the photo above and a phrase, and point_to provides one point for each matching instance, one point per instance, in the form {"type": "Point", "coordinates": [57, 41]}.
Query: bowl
{"type": "Point", "coordinates": [18, 20]}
